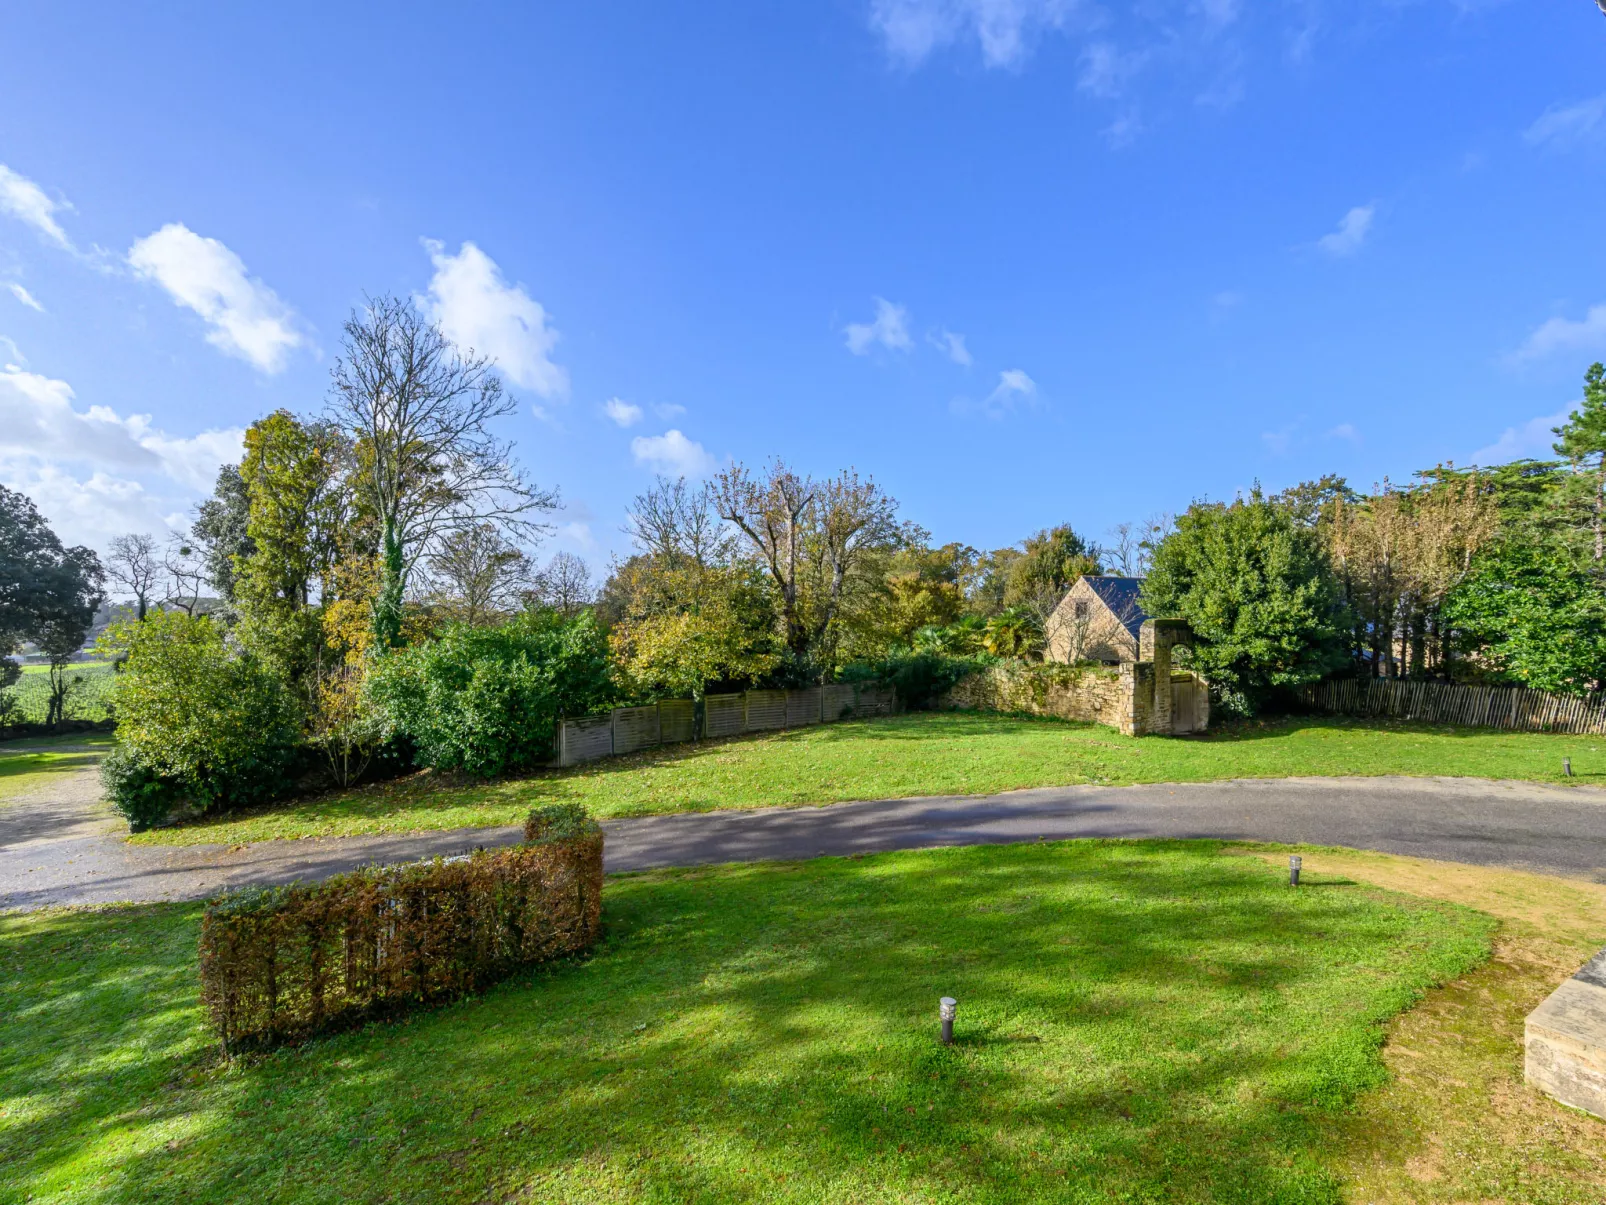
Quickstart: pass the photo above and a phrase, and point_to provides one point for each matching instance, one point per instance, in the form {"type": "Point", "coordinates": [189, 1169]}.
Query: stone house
{"type": "Point", "coordinates": [1098, 620]}
{"type": "Point", "coordinates": [1114, 666]}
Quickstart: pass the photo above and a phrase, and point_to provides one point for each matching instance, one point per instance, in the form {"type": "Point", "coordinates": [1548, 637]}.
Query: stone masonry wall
{"type": "Point", "coordinates": [1092, 694]}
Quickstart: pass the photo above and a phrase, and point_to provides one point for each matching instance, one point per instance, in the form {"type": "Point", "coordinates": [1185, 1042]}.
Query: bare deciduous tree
{"type": "Point", "coordinates": [565, 584]}
{"type": "Point", "coordinates": [187, 572]}
{"type": "Point", "coordinates": [417, 410]}
{"type": "Point", "coordinates": [133, 564]}
{"type": "Point", "coordinates": [810, 536]}
{"type": "Point", "coordinates": [675, 523]}
{"type": "Point", "coordinates": [478, 572]}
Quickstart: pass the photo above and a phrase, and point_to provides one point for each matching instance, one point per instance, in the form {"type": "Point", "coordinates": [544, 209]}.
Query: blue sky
{"type": "Point", "coordinates": [1024, 261]}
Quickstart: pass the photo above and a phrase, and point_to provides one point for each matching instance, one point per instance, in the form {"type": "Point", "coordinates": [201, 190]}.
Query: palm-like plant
{"type": "Point", "coordinates": [1013, 632]}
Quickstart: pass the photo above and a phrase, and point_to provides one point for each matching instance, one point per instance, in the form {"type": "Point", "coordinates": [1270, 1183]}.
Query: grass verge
{"type": "Point", "coordinates": [921, 754]}
{"type": "Point", "coordinates": [1138, 1021]}
{"type": "Point", "coordinates": [30, 767]}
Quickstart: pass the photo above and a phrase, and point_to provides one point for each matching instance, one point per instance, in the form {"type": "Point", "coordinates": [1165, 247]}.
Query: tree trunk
{"type": "Point", "coordinates": [388, 603]}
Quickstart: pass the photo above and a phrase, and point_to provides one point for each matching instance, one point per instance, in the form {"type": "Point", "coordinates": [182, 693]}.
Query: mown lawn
{"type": "Point", "coordinates": [30, 766]}
{"type": "Point", "coordinates": [1138, 1021]}
{"type": "Point", "coordinates": [921, 754]}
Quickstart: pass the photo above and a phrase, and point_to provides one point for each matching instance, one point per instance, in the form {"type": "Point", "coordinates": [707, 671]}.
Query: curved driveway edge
{"type": "Point", "coordinates": [1555, 830]}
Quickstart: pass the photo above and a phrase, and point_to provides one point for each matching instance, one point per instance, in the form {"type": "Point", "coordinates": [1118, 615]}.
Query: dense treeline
{"type": "Point", "coordinates": [359, 595]}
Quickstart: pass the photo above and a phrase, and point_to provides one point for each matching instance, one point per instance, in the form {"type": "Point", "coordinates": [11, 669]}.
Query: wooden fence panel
{"type": "Point", "coordinates": [722, 715]}
{"type": "Point", "coordinates": [635, 728]}
{"type": "Point", "coordinates": [1516, 708]}
{"type": "Point", "coordinates": [585, 740]}
{"type": "Point", "coordinates": [802, 707]}
{"type": "Point", "coordinates": [766, 709]}
{"type": "Point", "coordinates": [874, 700]}
{"type": "Point", "coordinates": [836, 702]}
{"type": "Point", "coordinates": [677, 721]}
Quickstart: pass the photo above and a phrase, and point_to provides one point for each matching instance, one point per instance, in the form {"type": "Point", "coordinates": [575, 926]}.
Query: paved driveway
{"type": "Point", "coordinates": [64, 848]}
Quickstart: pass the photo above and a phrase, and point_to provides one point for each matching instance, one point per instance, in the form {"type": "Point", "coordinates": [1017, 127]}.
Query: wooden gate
{"type": "Point", "coordinates": [1189, 706]}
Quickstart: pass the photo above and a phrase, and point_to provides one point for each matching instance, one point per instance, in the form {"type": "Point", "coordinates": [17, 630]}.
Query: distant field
{"type": "Point", "coordinates": [89, 700]}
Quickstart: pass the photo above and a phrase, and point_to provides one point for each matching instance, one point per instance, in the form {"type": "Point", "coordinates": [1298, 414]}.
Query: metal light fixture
{"type": "Point", "coordinates": [946, 1008]}
{"type": "Point", "coordinates": [1294, 864]}
{"type": "Point", "coordinates": [1567, 766]}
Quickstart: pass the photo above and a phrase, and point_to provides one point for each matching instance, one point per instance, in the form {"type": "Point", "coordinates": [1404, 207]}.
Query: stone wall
{"type": "Point", "coordinates": [1092, 694]}
{"type": "Point", "coordinates": [1121, 697]}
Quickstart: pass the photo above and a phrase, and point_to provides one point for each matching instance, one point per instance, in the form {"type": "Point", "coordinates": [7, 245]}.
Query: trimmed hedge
{"type": "Point", "coordinates": [280, 964]}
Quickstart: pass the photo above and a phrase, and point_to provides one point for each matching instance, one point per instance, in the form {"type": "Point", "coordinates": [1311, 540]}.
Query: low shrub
{"type": "Point", "coordinates": [143, 797]}
{"type": "Point", "coordinates": [919, 679]}
{"type": "Point", "coordinates": [487, 700]}
{"type": "Point", "coordinates": [192, 712]}
{"type": "Point", "coordinates": [281, 964]}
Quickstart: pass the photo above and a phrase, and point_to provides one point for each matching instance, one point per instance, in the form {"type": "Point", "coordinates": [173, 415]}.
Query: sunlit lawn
{"type": "Point", "coordinates": [1138, 1021]}
{"type": "Point", "coordinates": [28, 767]}
{"type": "Point", "coordinates": [919, 754]}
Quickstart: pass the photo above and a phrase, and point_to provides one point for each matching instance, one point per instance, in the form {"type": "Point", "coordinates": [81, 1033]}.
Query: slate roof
{"type": "Point", "coordinates": [1120, 594]}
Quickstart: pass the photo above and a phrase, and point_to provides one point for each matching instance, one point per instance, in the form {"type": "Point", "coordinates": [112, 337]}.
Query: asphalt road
{"type": "Point", "coordinates": [66, 851]}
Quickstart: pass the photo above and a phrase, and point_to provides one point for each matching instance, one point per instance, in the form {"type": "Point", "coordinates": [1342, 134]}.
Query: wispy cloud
{"type": "Point", "coordinates": [1563, 127]}
{"type": "Point", "coordinates": [1105, 69]}
{"type": "Point", "coordinates": [623, 413]}
{"type": "Point", "coordinates": [1352, 230]}
{"type": "Point", "coordinates": [668, 410]}
{"type": "Point", "coordinates": [22, 295]}
{"type": "Point", "coordinates": [1278, 442]}
{"type": "Point", "coordinates": [889, 329]}
{"type": "Point", "coordinates": [478, 309]}
{"type": "Point", "coordinates": [1535, 438]}
{"type": "Point", "coordinates": [952, 345]}
{"type": "Point", "coordinates": [246, 317]}
{"type": "Point", "coordinates": [1014, 389]}
{"type": "Point", "coordinates": [1004, 30]}
{"type": "Point", "coordinates": [1586, 334]}
{"type": "Point", "coordinates": [24, 200]}
{"type": "Point", "coordinates": [672, 454]}
{"type": "Point", "coordinates": [1346, 431]}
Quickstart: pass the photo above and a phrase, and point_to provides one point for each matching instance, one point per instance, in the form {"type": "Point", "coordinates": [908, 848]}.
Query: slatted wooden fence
{"type": "Point", "coordinates": [1513, 707]}
{"type": "Point", "coordinates": [627, 729]}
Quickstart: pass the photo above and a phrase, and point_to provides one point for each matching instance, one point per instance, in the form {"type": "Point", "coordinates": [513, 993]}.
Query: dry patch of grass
{"type": "Point", "coordinates": [1456, 1122]}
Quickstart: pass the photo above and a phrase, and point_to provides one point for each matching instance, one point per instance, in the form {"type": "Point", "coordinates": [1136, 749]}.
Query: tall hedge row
{"type": "Point", "coordinates": [281, 964]}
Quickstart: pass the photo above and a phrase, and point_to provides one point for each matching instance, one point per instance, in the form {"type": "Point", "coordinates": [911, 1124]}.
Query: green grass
{"type": "Point", "coordinates": [1138, 1021]}
{"type": "Point", "coordinates": [37, 763]}
{"type": "Point", "coordinates": [89, 699]}
{"type": "Point", "coordinates": [921, 754]}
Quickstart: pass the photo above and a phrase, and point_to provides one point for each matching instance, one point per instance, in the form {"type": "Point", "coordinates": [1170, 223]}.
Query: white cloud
{"type": "Point", "coordinates": [578, 534]}
{"type": "Point", "coordinates": [246, 317]}
{"type": "Point", "coordinates": [1105, 70]}
{"type": "Point", "coordinates": [138, 477]}
{"type": "Point", "coordinates": [1003, 29]}
{"type": "Point", "coordinates": [22, 295]}
{"type": "Point", "coordinates": [889, 328]}
{"type": "Point", "coordinates": [622, 412]}
{"type": "Point", "coordinates": [668, 410]}
{"type": "Point", "coordinates": [37, 419]}
{"type": "Point", "coordinates": [1587, 334]}
{"type": "Point", "coordinates": [1535, 438]}
{"type": "Point", "coordinates": [1563, 127]}
{"type": "Point", "coordinates": [24, 200]}
{"type": "Point", "coordinates": [1278, 442]}
{"type": "Point", "coordinates": [953, 346]}
{"type": "Point", "coordinates": [478, 309]}
{"type": "Point", "coordinates": [1352, 230]}
{"type": "Point", "coordinates": [1013, 388]}
{"type": "Point", "coordinates": [1345, 431]}
{"type": "Point", "coordinates": [672, 454]}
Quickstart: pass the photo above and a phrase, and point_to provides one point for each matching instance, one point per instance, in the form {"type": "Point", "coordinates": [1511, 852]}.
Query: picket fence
{"type": "Point", "coordinates": [627, 729]}
{"type": "Point", "coordinates": [1514, 707]}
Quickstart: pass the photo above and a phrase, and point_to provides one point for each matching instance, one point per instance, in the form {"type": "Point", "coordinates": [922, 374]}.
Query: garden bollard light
{"type": "Point", "coordinates": [1567, 766]}
{"type": "Point", "coordinates": [1294, 864]}
{"type": "Point", "coordinates": [947, 1007]}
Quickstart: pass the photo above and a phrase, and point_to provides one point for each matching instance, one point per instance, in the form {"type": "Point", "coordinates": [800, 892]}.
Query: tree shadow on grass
{"type": "Point", "coordinates": [769, 1033]}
